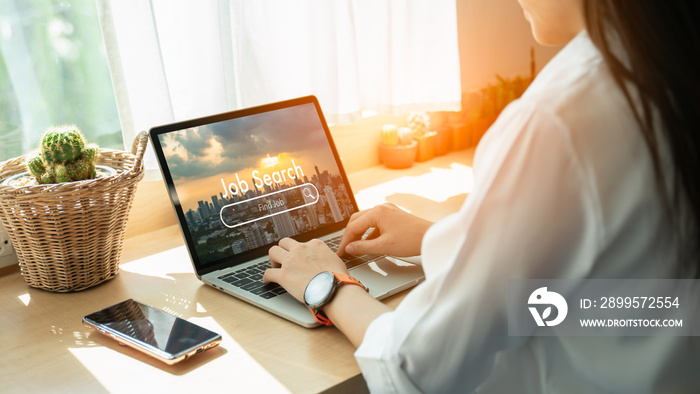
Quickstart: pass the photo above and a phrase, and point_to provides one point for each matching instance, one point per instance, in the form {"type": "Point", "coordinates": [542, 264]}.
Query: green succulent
{"type": "Point", "coordinates": [62, 145]}
{"type": "Point", "coordinates": [47, 177]}
{"type": "Point", "coordinates": [80, 169]}
{"type": "Point", "coordinates": [63, 157]}
{"type": "Point", "coordinates": [61, 173]}
{"type": "Point", "coordinates": [90, 153]}
{"type": "Point", "coordinates": [36, 166]}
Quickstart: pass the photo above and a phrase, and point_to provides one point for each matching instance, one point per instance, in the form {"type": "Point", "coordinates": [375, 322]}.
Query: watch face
{"type": "Point", "coordinates": [319, 289]}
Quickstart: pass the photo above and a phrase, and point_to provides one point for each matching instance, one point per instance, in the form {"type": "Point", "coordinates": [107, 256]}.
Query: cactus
{"type": "Point", "coordinates": [63, 157]}
{"type": "Point", "coordinates": [389, 135]}
{"type": "Point", "coordinates": [405, 135]}
{"type": "Point", "coordinates": [47, 177]}
{"type": "Point", "coordinates": [393, 136]}
{"type": "Point", "coordinates": [36, 166]}
{"type": "Point", "coordinates": [419, 123]}
{"type": "Point", "coordinates": [61, 173]}
{"type": "Point", "coordinates": [62, 145]}
{"type": "Point", "coordinates": [90, 153]}
{"type": "Point", "coordinates": [80, 169]}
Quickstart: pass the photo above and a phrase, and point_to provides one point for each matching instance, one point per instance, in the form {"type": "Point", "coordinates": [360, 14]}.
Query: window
{"type": "Point", "coordinates": [53, 71]}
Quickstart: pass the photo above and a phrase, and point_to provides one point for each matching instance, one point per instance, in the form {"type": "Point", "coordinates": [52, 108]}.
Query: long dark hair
{"type": "Point", "coordinates": [662, 43]}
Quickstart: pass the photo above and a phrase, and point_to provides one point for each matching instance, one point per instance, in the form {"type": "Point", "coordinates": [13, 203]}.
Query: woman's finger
{"type": "Point", "coordinates": [370, 246]}
{"type": "Point", "coordinates": [277, 256]}
{"type": "Point", "coordinates": [288, 243]}
{"type": "Point", "coordinates": [357, 215]}
{"type": "Point", "coordinates": [356, 229]}
{"type": "Point", "coordinates": [271, 275]}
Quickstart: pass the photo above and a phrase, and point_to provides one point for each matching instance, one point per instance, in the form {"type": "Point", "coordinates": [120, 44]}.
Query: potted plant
{"type": "Point", "coordinates": [483, 107]}
{"type": "Point", "coordinates": [397, 149]}
{"type": "Point", "coordinates": [443, 137]}
{"type": "Point", "coordinates": [63, 156]}
{"type": "Point", "coordinates": [419, 123]}
{"type": "Point", "coordinates": [67, 222]}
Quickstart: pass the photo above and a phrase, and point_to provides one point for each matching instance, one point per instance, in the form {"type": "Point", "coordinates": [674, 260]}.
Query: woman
{"type": "Point", "coordinates": [589, 175]}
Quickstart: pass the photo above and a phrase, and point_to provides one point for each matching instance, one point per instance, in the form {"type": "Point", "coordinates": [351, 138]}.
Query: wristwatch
{"type": "Point", "coordinates": [321, 290]}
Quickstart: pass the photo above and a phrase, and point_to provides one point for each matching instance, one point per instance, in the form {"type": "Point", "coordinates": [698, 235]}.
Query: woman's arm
{"type": "Point", "coordinates": [352, 310]}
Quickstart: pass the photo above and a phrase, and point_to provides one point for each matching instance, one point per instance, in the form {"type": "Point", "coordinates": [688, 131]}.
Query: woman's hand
{"type": "Point", "coordinates": [294, 264]}
{"type": "Point", "coordinates": [395, 233]}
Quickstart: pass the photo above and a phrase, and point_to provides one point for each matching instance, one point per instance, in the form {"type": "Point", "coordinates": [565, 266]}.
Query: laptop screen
{"type": "Point", "coordinates": [243, 180]}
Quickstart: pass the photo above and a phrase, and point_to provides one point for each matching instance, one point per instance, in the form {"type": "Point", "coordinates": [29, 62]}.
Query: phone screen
{"type": "Point", "coordinates": [147, 325]}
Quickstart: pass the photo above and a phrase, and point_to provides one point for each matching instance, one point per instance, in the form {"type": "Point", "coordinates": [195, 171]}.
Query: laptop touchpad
{"type": "Point", "coordinates": [382, 275]}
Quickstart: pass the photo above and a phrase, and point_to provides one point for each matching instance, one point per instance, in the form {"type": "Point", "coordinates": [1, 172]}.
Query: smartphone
{"type": "Point", "coordinates": [157, 333]}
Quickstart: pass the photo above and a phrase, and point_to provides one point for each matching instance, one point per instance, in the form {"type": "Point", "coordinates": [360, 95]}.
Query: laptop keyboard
{"type": "Point", "coordinates": [350, 261]}
{"type": "Point", "coordinates": [250, 277]}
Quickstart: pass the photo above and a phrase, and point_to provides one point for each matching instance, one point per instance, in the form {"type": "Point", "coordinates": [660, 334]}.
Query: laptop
{"type": "Point", "coordinates": [240, 181]}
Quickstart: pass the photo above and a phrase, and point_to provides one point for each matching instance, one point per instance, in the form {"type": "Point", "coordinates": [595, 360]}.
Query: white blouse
{"type": "Point", "coordinates": [565, 188]}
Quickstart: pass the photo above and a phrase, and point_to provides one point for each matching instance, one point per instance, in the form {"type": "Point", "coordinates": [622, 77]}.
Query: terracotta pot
{"type": "Point", "coordinates": [461, 136]}
{"type": "Point", "coordinates": [443, 140]}
{"type": "Point", "coordinates": [468, 135]}
{"type": "Point", "coordinates": [426, 146]}
{"type": "Point", "coordinates": [399, 156]}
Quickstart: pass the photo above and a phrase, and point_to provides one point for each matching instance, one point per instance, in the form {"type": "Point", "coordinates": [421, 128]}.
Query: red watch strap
{"type": "Point", "coordinates": [321, 317]}
{"type": "Point", "coordinates": [343, 279]}
{"type": "Point", "coordinates": [348, 280]}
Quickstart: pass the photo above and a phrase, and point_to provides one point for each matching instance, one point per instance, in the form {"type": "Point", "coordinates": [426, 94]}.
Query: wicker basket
{"type": "Point", "coordinates": [69, 236]}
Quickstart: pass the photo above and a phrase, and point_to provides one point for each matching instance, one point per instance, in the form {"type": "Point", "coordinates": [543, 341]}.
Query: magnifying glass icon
{"type": "Point", "coordinates": [307, 193]}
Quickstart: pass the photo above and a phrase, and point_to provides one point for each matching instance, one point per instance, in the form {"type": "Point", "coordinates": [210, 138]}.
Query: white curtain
{"type": "Point", "coordinates": [52, 72]}
{"type": "Point", "coordinates": [177, 59]}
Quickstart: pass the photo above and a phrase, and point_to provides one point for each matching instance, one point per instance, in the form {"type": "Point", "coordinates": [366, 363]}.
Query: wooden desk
{"type": "Point", "coordinates": [46, 348]}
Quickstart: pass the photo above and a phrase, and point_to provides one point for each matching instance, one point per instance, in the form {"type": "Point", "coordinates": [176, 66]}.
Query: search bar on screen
{"type": "Point", "coordinates": [268, 205]}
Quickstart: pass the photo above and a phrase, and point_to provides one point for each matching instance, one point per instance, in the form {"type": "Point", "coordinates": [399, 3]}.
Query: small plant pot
{"type": "Point", "coordinates": [69, 236]}
{"type": "Point", "coordinates": [443, 140]}
{"type": "Point", "coordinates": [26, 179]}
{"type": "Point", "coordinates": [426, 146]}
{"type": "Point", "coordinates": [461, 136]}
{"type": "Point", "coordinates": [399, 156]}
